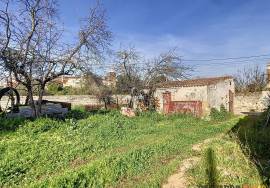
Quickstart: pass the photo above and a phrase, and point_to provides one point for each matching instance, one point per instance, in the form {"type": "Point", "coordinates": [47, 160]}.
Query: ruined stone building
{"type": "Point", "coordinates": [196, 96]}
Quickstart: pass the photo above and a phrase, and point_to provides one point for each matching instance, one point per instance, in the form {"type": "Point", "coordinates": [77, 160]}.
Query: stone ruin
{"type": "Point", "coordinates": [48, 109]}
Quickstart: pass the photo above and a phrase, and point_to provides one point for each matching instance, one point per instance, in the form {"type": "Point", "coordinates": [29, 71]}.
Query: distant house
{"type": "Point", "coordinates": [196, 96]}
{"type": "Point", "coordinates": [77, 81]}
{"type": "Point", "coordinates": [110, 79]}
{"type": "Point", "coordinates": [71, 81]}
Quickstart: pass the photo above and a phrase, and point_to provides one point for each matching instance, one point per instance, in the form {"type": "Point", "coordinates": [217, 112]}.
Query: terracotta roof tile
{"type": "Point", "coordinates": [193, 82]}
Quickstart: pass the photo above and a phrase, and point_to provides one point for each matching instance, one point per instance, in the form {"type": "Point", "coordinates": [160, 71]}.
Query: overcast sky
{"type": "Point", "coordinates": [199, 29]}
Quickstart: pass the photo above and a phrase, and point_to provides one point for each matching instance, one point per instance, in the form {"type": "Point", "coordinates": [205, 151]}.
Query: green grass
{"type": "Point", "coordinates": [232, 166]}
{"type": "Point", "coordinates": [254, 138]}
{"type": "Point", "coordinates": [102, 149]}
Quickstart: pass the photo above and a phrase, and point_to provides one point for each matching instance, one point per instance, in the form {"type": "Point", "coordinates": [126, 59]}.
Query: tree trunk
{"type": "Point", "coordinates": [31, 100]}
{"type": "Point", "coordinates": [27, 99]}
{"type": "Point", "coordinates": [40, 97]}
{"type": "Point", "coordinates": [105, 103]}
{"type": "Point", "coordinates": [130, 104]}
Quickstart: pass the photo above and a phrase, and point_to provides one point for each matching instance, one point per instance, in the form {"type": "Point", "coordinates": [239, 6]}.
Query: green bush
{"type": "Point", "coordinates": [10, 124]}
{"type": "Point", "coordinates": [58, 89]}
{"type": "Point", "coordinates": [220, 115]}
{"type": "Point", "coordinates": [77, 114]}
{"type": "Point", "coordinates": [54, 88]}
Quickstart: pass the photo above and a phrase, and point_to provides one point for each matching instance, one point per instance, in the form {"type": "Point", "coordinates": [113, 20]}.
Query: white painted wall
{"type": "Point", "coordinates": [218, 94]}
{"type": "Point", "coordinates": [212, 96]}
{"type": "Point", "coordinates": [74, 82]}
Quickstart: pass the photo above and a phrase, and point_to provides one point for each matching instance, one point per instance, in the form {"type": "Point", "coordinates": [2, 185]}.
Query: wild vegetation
{"type": "Point", "coordinates": [254, 134]}
{"type": "Point", "coordinates": [227, 165]}
{"type": "Point", "coordinates": [240, 157]}
{"type": "Point", "coordinates": [220, 114]}
{"type": "Point", "coordinates": [99, 149]}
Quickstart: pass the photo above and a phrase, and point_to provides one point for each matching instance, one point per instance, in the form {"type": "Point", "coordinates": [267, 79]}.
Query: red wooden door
{"type": "Point", "coordinates": [166, 102]}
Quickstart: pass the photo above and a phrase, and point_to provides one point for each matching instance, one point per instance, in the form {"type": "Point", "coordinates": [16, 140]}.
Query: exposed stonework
{"type": "Point", "coordinates": [49, 109]}
{"type": "Point", "coordinates": [78, 99]}
{"type": "Point", "coordinates": [251, 102]}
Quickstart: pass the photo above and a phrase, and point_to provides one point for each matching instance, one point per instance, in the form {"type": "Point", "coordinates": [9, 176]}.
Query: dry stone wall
{"type": "Point", "coordinates": [242, 102]}
{"type": "Point", "coordinates": [76, 100]}
{"type": "Point", "coordinates": [251, 102]}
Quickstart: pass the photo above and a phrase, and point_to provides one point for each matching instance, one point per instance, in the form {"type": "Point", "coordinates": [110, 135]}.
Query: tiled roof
{"type": "Point", "coordinates": [193, 82]}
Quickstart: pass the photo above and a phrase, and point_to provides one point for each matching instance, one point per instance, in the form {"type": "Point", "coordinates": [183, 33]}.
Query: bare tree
{"type": "Point", "coordinates": [137, 74]}
{"type": "Point", "coordinates": [127, 68]}
{"type": "Point", "coordinates": [250, 79]}
{"type": "Point", "coordinates": [33, 49]}
{"type": "Point", "coordinates": [91, 83]}
{"type": "Point", "coordinates": [166, 66]}
{"type": "Point", "coordinates": [127, 61]}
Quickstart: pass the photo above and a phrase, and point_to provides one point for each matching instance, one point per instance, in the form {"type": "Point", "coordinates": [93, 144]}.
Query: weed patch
{"type": "Point", "coordinates": [100, 149]}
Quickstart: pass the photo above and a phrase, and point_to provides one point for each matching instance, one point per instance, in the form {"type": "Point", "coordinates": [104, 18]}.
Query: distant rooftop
{"type": "Point", "coordinates": [193, 82]}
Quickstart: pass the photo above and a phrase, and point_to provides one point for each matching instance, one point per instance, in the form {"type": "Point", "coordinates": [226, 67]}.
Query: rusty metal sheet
{"type": "Point", "coordinates": [187, 107]}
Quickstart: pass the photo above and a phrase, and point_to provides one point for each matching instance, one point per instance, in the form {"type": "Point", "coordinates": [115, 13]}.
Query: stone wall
{"type": "Point", "coordinates": [251, 102]}
{"type": "Point", "coordinates": [76, 100]}
{"type": "Point", "coordinates": [242, 102]}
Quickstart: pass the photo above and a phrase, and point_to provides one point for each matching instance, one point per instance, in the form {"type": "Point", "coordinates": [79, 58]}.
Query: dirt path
{"type": "Point", "coordinates": [178, 179]}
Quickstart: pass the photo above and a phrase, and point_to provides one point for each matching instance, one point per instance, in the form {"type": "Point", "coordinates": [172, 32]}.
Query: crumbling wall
{"type": "Point", "coordinates": [218, 94]}
{"type": "Point", "coordinates": [196, 93]}
{"type": "Point", "coordinates": [78, 99]}
{"type": "Point", "coordinates": [251, 102]}
{"type": "Point", "coordinates": [186, 107]}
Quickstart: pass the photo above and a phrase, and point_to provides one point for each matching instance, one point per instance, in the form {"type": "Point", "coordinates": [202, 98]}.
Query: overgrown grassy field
{"type": "Point", "coordinates": [231, 165]}
{"type": "Point", "coordinates": [254, 138]}
{"type": "Point", "coordinates": [99, 150]}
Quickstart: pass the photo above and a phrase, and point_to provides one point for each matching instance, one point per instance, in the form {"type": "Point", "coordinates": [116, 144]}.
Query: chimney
{"type": "Point", "coordinates": [268, 75]}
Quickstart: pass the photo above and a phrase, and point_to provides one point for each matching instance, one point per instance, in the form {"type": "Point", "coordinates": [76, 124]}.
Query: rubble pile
{"type": "Point", "coordinates": [48, 109]}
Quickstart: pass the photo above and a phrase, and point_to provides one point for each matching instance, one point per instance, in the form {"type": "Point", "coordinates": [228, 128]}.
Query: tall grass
{"type": "Point", "coordinates": [228, 166]}
{"type": "Point", "coordinates": [211, 169]}
{"type": "Point", "coordinates": [254, 136]}
{"type": "Point", "coordinates": [101, 149]}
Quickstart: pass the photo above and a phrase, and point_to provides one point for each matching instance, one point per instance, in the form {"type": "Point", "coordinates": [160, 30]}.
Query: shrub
{"type": "Point", "coordinates": [10, 124]}
{"type": "Point", "coordinates": [54, 88]}
{"type": "Point", "coordinates": [77, 114]}
{"type": "Point", "coordinates": [219, 115]}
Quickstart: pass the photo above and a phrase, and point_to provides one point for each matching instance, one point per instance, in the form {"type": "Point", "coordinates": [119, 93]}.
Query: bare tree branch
{"type": "Point", "coordinates": [33, 49]}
